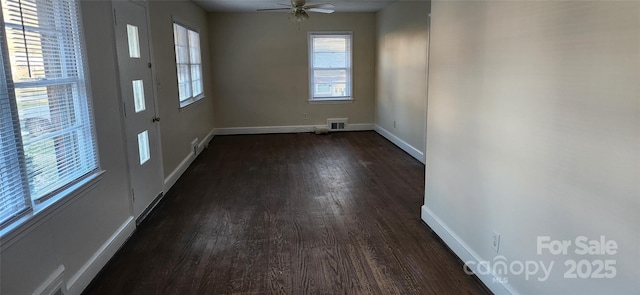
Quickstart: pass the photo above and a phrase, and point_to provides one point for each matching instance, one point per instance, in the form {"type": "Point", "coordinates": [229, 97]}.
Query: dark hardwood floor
{"type": "Point", "coordinates": [290, 214]}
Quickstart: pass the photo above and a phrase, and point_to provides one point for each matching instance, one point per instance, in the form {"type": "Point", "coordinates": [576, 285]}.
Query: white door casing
{"type": "Point", "coordinates": [141, 122]}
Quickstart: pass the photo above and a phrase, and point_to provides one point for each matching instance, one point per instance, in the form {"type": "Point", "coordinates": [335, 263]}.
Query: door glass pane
{"type": "Point", "coordinates": [143, 147]}
{"type": "Point", "coordinates": [138, 95]}
{"type": "Point", "coordinates": [134, 43]}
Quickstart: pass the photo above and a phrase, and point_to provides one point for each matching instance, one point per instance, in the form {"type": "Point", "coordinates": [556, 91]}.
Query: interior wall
{"type": "Point", "coordinates": [71, 235]}
{"type": "Point", "coordinates": [534, 130]}
{"type": "Point", "coordinates": [179, 127]}
{"type": "Point", "coordinates": [401, 95]}
{"type": "Point", "coordinates": [76, 234]}
{"type": "Point", "coordinates": [260, 69]}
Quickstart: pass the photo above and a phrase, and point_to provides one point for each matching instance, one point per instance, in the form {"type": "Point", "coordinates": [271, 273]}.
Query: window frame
{"type": "Point", "coordinates": [333, 99]}
{"type": "Point", "coordinates": [40, 207]}
{"type": "Point", "coordinates": [191, 99]}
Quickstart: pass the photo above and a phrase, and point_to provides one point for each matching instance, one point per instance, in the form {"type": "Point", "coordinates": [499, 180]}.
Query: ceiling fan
{"type": "Point", "coordinates": [298, 9]}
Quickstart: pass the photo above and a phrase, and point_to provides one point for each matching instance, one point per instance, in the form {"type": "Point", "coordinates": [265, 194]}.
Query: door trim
{"type": "Point", "coordinates": [156, 110]}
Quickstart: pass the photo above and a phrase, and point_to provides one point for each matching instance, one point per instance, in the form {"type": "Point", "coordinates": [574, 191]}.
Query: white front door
{"type": "Point", "coordinates": [139, 104]}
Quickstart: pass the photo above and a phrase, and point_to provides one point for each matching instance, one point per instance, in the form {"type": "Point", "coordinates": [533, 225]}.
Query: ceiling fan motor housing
{"type": "Point", "coordinates": [298, 3]}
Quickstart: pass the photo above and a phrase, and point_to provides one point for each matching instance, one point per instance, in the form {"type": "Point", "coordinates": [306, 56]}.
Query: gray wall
{"type": "Point", "coordinates": [260, 69]}
{"type": "Point", "coordinates": [533, 130]}
{"type": "Point", "coordinates": [401, 85]}
{"type": "Point", "coordinates": [179, 127]}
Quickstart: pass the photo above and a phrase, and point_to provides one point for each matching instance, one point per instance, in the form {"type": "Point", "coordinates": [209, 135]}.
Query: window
{"type": "Point", "coordinates": [46, 136]}
{"type": "Point", "coordinates": [330, 66]}
{"type": "Point", "coordinates": [188, 64]}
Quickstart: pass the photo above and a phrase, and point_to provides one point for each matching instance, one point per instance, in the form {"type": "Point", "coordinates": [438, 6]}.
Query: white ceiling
{"type": "Point", "coordinates": [253, 5]}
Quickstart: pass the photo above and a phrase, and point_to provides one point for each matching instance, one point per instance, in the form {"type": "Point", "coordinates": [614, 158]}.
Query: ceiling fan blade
{"type": "Point", "coordinates": [321, 5]}
{"type": "Point", "coordinates": [320, 10]}
{"type": "Point", "coordinates": [274, 9]}
{"type": "Point", "coordinates": [284, 4]}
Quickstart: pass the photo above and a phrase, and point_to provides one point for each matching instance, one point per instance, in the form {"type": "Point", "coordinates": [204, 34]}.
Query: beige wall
{"type": "Point", "coordinates": [74, 233]}
{"type": "Point", "coordinates": [534, 130]}
{"type": "Point", "coordinates": [71, 235]}
{"type": "Point", "coordinates": [260, 69]}
{"type": "Point", "coordinates": [179, 126]}
{"type": "Point", "coordinates": [401, 85]}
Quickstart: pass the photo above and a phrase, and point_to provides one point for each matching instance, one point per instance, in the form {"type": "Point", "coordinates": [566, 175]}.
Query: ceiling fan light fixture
{"type": "Point", "coordinates": [298, 15]}
{"type": "Point", "coordinates": [298, 9]}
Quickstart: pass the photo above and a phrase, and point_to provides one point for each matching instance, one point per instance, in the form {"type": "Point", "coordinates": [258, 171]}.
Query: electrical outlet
{"type": "Point", "coordinates": [394, 124]}
{"type": "Point", "coordinates": [495, 243]}
{"type": "Point", "coordinates": [306, 116]}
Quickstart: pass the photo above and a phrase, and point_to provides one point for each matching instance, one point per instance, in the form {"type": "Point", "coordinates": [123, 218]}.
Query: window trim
{"type": "Point", "coordinates": [18, 226]}
{"type": "Point", "coordinates": [193, 99]}
{"type": "Point", "coordinates": [44, 207]}
{"type": "Point", "coordinates": [334, 99]}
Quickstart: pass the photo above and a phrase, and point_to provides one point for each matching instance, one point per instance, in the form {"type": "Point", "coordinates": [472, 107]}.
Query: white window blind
{"type": "Point", "coordinates": [188, 64]}
{"type": "Point", "coordinates": [13, 191]}
{"type": "Point", "coordinates": [330, 66]}
{"type": "Point", "coordinates": [46, 83]}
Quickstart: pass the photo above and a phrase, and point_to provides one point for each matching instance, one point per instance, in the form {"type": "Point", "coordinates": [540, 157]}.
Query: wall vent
{"type": "Point", "coordinates": [194, 147]}
{"type": "Point", "coordinates": [337, 124]}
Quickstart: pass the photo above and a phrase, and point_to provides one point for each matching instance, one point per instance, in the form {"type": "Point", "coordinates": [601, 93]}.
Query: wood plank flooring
{"type": "Point", "coordinates": [290, 214]}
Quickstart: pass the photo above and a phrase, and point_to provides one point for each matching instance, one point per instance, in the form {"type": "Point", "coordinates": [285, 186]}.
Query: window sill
{"type": "Point", "coordinates": [332, 101]}
{"type": "Point", "coordinates": [189, 102]}
{"type": "Point", "coordinates": [21, 226]}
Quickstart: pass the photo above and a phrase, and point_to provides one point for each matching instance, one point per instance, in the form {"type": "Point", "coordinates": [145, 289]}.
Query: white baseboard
{"type": "Point", "coordinates": [170, 180]}
{"type": "Point", "coordinates": [205, 143]}
{"type": "Point", "coordinates": [465, 253]}
{"type": "Point", "coordinates": [414, 152]}
{"type": "Point", "coordinates": [286, 129]}
{"type": "Point", "coordinates": [417, 154]}
{"type": "Point", "coordinates": [79, 281]}
{"type": "Point", "coordinates": [176, 173]}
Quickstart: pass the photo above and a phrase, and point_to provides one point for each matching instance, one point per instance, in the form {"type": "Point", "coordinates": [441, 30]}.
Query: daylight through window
{"type": "Point", "coordinates": [188, 64]}
{"type": "Point", "coordinates": [46, 135]}
{"type": "Point", "coordinates": [330, 66]}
